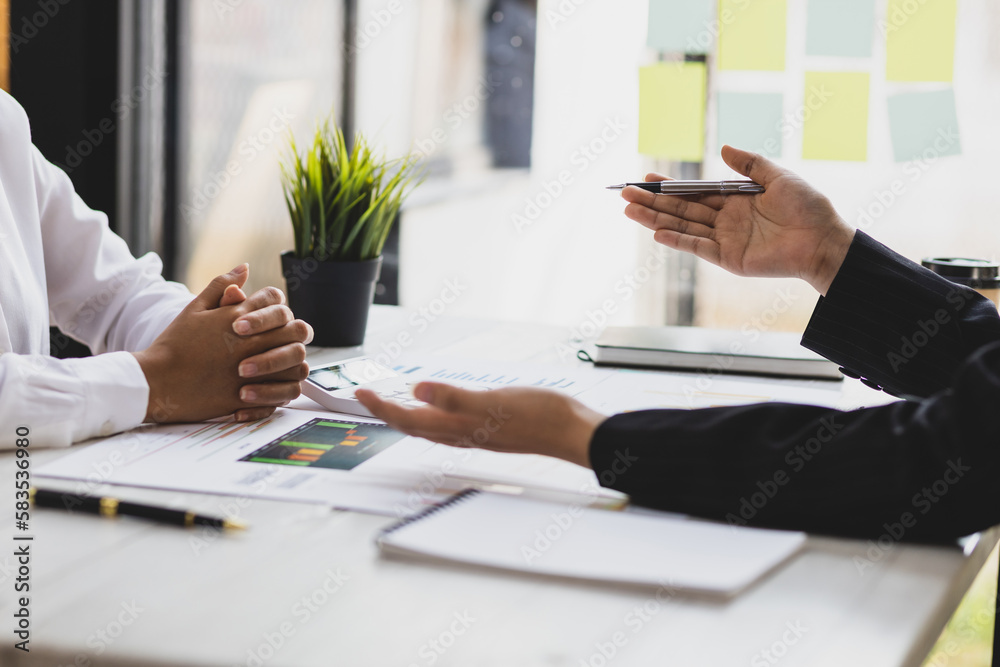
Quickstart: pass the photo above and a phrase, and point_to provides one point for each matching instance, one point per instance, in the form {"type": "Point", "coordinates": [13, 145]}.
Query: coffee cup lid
{"type": "Point", "coordinates": [967, 271]}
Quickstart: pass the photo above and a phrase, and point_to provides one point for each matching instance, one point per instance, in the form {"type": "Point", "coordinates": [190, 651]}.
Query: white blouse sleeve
{"type": "Point", "coordinates": [67, 267]}
{"type": "Point", "coordinates": [62, 401]}
{"type": "Point", "coordinates": [98, 293]}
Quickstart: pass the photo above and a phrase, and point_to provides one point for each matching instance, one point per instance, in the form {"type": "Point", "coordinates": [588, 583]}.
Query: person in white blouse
{"type": "Point", "coordinates": [161, 354]}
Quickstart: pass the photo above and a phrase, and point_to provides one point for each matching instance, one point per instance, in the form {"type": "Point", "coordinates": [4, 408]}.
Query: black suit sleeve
{"type": "Point", "coordinates": [902, 327]}
{"type": "Point", "coordinates": [924, 470]}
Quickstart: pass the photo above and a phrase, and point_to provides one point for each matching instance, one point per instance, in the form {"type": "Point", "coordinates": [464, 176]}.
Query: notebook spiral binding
{"type": "Point", "coordinates": [424, 513]}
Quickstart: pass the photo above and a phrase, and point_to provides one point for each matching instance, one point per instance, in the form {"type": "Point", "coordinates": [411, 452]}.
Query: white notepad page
{"type": "Point", "coordinates": [515, 533]}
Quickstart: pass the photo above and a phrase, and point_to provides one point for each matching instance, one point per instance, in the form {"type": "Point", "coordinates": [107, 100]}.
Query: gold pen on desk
{"type": "Point", "coordinates": [107, 506]}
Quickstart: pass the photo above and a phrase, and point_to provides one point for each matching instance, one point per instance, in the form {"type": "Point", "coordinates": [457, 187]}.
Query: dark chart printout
{"type": "Point", "coordinates": [327, 443]}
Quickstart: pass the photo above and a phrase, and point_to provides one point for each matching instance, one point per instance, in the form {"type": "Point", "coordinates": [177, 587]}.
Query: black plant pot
{"type": "Point", "coordinates": [334, 297]}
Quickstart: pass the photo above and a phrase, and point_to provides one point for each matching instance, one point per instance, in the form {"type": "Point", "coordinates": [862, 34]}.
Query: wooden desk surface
{"type": "Point", "coordinates": [306, 586]}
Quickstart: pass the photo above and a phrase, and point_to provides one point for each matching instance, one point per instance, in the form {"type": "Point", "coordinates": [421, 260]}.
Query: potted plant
{"type": "Point", "coordinates": [342, 203]}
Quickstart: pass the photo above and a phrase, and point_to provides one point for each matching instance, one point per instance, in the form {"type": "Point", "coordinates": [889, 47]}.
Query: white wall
{"type": "Point", "coordinates": [552, 245]}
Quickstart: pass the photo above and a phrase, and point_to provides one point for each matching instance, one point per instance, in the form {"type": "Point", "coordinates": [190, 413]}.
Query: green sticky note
{"type": "Point", "coordinates": [684, 26]}
{"type": "Point", "coordinates": [835, 116]}
{"type": "Point", "coordinates": [920, 40]}
{"type": "Point", "coordinates": [751, 121]}
{"type": "Point", "coordinates": [672, 111]}
{"type": "Point", "coordinates": [924, 125]}
{"type": "Point", "coordinates": [752, 34]}
{"type": "Point", "coordinates": [840, 28]}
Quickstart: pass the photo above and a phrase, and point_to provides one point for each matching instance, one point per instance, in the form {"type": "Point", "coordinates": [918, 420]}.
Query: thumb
{"type": "Point", "coordinates": [447, 397]}
{"type": "Point", "coordinates": [232, 296]}
{"type": "Point", "coordinates": [211, 296]}
{"type": "Point", "coordinates": [755, 167]}
{"type": "Point", "coordinates": [654, 176]}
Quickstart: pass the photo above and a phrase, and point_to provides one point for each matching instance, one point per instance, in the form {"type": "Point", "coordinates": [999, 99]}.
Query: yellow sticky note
{"type": "Point", "coordinates": [920, 40]}
{"type": "Point", "coordinates": [672, 111]}
{"type": "Point", "coordinates": [835, 116]}
{"type": "Point", "coordinates": [752, 34]}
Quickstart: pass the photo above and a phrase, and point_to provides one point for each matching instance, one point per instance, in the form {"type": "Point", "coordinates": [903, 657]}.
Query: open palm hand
{"type": "Point", "coordinates": [788, 230]}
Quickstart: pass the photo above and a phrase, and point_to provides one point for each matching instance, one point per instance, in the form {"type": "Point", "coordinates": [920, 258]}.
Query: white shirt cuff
{"type": "Point", "coordinates": [116, 393]}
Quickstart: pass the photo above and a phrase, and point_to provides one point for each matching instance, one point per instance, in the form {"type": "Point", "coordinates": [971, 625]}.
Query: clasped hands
{"type": "Point", "coordinates": [226, 354]}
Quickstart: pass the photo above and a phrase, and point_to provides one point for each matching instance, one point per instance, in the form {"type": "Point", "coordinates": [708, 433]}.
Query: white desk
{"type": "Point", "coordinates": [309, 581]}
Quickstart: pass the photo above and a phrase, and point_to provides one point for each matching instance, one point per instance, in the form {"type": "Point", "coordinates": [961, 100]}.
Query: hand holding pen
{"type": "Point", "coordinates": [789, 230]}
{"type": "Point", "coordinates": [672, 187]}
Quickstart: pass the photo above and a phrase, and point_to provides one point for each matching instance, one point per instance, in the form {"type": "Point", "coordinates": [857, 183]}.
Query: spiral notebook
{"type": "Point", "coordinates": [515, 533]}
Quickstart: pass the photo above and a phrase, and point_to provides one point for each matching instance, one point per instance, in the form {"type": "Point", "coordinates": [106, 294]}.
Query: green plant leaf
{"type": "Point", "coordinates": [342, 201]}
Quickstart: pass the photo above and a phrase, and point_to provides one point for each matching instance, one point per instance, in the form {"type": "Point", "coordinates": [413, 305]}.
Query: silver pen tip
{"type": "Point", "coordinates": [616, 187]}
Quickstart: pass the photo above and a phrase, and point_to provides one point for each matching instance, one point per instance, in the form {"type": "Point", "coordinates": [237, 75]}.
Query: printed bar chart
{"type": "Point", "coordinates": [326, 443]}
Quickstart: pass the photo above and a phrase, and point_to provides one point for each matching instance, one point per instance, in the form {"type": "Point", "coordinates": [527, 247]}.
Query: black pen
{"type": "Point", "coordinates": [106, 506]}
{"type": "Point", "coordinates": [696, 187]}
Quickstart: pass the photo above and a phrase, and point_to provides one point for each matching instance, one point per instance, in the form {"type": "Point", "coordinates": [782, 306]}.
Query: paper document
{"type": "Point", "coordinates": [238, 459]}
{"type": "Point", "coordinates": [570, 380]}
{"type": "Point", "coordinates": [630, 390]}
{"type": "Point", "coordinates": [317, 457]}
{"type": "Point", "coordinates": [586, 543]}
